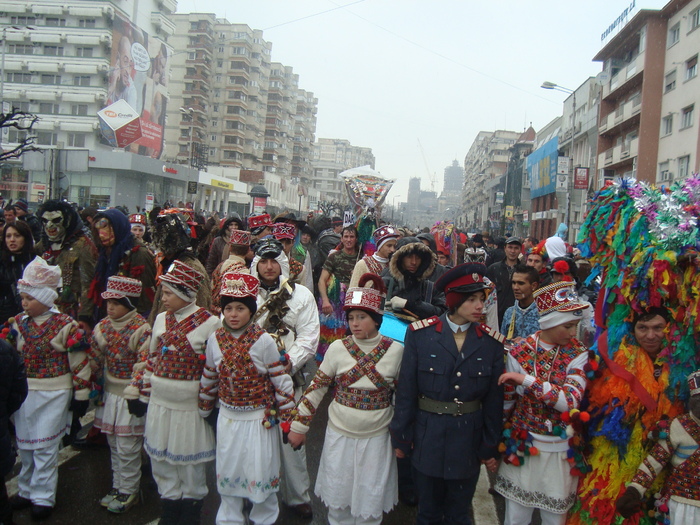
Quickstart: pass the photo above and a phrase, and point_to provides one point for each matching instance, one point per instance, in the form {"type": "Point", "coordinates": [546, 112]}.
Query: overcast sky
{"type": "Point", "coordinates": [391, 73]}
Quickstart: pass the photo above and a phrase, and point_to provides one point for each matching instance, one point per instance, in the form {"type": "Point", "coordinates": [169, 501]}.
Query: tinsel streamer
{"type": "Point", "coordinates": [365, 226]}
{"type": "Point", "coordinates": [334, 325]}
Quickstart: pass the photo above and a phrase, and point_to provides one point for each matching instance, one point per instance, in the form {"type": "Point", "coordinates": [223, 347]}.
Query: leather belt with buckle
{"type": "Point", "coordinates": [453, 408]}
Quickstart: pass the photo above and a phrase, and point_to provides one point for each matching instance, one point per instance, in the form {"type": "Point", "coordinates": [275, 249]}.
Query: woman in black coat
{"type": "Point", "coordinates": [16, 252]}
{"type": "Point", "coordinates": [13, 391]}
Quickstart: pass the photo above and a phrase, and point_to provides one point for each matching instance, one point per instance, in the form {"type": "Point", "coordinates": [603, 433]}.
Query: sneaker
{"type": "Point", "coordinates": [109, 497]}
{"type": "Point", "coordinates": [122, 503]}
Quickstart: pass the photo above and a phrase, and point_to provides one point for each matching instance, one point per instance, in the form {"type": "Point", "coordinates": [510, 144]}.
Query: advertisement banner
{"type": "Point", "coordinates": [499, 197]}
{"type": "Point", "coordinates": [542, 169]}
{"type": "Point", "coordinates": [259, 204]}
{"type": "Point", "coordinates": [581, 178]}
{"type": "Point", "coordinates": [139, 69]}
{"type": "Point", "coordinates": [120, 124]}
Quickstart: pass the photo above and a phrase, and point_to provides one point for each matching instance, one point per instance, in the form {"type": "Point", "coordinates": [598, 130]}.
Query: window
{"type": "Point", "coordinates": [674, 34]}
{"type": "Point", "coordinates": [691, 68]}
{"type": "Point", "coordinates": [215, 108]}
{"type": "Point", "coordinates": [81, 80]}
{"type": "Point", "coordinates": [84, 52]}
{"type": "Point", "coordinates": [213, 138]}
{"type": "Point", "coordinates": [87, 22]}
{"type": "Point", "coordinates": [79, 109]}
{"type": "Point", "coordinates": [56, 22]}
{"type": "Point", "coordinates": [21, 49]}
{"type": "Point", "coordinates": [215, 123]}
{"type": "Point", "coordinates": [683, 167]}
{"type": "Point", "coordinates": [21, 106]}
{"type": "Point", "coordinates": [14, 136]}
{"type": "Point", "coordinates": [50, 79]}
{"type": "Point", "coordinates": [191, 55]}
{"type": "Point", "coordinates": [53, 51]}
{"type": "Point", "coordinates": [194, 25]}
{"type": "Point", "coordinates": [23, 20]}
{"type": "Point", "coordinates": [48, 108]}
{"type": "Point", "coordinates": [221, 50]}
{"type": "Point", "coordinates": [687, 114]}
{"type": "Point", "coordinates": [184, 148]}
{"type": "Point", "coordinates": [664, 173]}
{"type": "Point", "coordinates": [46, 138]}
{"type": "Point", "coordinates": [670, 82]}
{"type": "Point", "coordinates": [19, 77]}
{"type": "Point", "coordinates": [694, 20]}
{"type": "Point", "coordinates": [76, 140]}
{"type": "Point", "coordinates": [231, 155]}
{"type": "Point", "coordinates": [667, 125]}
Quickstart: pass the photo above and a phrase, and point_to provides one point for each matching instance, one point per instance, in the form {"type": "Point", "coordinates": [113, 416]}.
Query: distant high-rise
{"type": "Point", "coordinates": [454, 178]}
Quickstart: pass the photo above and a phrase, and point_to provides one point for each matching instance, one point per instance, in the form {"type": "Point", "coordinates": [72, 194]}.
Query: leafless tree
{"type": "Point", "coordinates": [21, 121]}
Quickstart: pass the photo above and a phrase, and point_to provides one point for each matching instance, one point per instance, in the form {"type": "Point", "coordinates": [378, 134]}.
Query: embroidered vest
{"type": "Point", "coordinates": [119, 356]}
{"type": "Point", "coordinates": [684, 480]}
{"type": "Point", "coordinates": [41, 359]}
{"type": "Point", "coordinates": [179, 360]}
{"type": "Point", "coordinates": [365, 366]}
{"type": "Point", "coordinates": [241, 385]}
{"type": "Point", "coordinates": [373, 265]}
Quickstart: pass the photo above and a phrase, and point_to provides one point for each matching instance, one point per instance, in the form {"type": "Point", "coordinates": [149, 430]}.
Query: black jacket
{"type": "Point", "coordinates": [500, 274]}
{"type": "Point", "coordinates": [10, 272]}
{"type": "Point", "coordinates": [34, 224]}
{"type": "Point", "coordinates": [441, 445]}
{"type": "Point", "coordinates": [13, 392]}
{"type": "Point", "coordinates": [418, 288]}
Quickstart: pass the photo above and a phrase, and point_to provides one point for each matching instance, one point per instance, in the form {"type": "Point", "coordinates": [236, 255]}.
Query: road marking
{"type": "Point", "coordinates": [483, 505]}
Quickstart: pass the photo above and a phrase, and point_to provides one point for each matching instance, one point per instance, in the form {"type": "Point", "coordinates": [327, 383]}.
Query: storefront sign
{"type": "Point", "coordinates": [259, 204]}
{"type": "Point", "coordinates": [192, 187]}
{"type": "Point", "coordinates": [38, 192]}
{"type": "Point", "coordinates": [499, 197]}
{"type": "Point", "coordinates": [581, 178]}
{"type": "Point", "coordinates": [150, 200]}
{"type": "Point", "coordinates": [221, 184]}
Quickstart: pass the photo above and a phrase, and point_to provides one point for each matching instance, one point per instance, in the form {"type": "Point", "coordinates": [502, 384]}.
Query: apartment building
{"type": "Point", "coordinates": [331, 157]}
{"type": "Point", "coordinates": [484, 185]}
{"type": "Point", "coordinates": [648, 121]}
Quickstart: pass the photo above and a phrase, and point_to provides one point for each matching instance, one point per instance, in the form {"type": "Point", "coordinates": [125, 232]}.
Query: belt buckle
{"type": "Point", "coordinates": [459, 408]}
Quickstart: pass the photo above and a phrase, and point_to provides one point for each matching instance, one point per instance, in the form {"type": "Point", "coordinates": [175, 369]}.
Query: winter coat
{"type": "Point", "coordinates": [13, 392]}
{"type": "Point", "coordinates": [10, 272]}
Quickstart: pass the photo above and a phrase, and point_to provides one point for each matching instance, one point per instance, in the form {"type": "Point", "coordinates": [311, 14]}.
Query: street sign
{"type": "Point", "coordinates": [563, 165]}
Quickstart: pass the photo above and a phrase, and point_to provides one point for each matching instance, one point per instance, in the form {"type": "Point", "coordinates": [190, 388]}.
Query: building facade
{"type": "Point", "coordinates": [330, 158]}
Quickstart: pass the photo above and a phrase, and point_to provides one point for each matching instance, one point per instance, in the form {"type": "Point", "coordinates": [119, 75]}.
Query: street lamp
{"type": "Point", "coordinates": [190, 112]}
{"type": "Point", "coordinates": [552, 85]}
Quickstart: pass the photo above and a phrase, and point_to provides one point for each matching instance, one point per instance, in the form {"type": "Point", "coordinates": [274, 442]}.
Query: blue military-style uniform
{"type": "Point", "coordinates": [462, 383]}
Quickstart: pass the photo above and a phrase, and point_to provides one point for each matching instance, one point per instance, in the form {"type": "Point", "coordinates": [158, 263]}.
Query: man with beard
{"type": "Point", "coordinates": [66, 244]}
{"type": "Point", "coordinates": [287, 312]}
{"type": "Point", "coordinates": [171, 238]}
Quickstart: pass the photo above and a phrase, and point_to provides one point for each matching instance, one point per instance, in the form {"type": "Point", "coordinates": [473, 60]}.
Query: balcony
{"type": "Point", "coordinates": [168, 5]}
{"type": "Point", "coordinates": [162, 23]}
{"type": "Point", "coordinates": [625, 74]}
{"type": "Point", "coordinates": [622, 114]}
{"type": "Point", "coordinates": [619, 154]}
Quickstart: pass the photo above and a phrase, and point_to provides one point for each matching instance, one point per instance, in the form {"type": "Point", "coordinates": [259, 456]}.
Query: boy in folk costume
{"type": "Point", "coordinates": [357, 477]}
{"type": "Point", "coordinates": [385, 239]}
{"type": "Point", "coordinates": [119, 342]}
{"type": "Point", "coordinates": [545, 381]}
{"type": "Point", "coordinates": [245, 373]}
{"type": "Point", "coordinates": [678, 444]}
{"type": "Point", "coordinates": [53, 347]}
{"type": "Point", "coordinates": [178, 441]}
{"type": "Point", "coordinates": [235, 261]}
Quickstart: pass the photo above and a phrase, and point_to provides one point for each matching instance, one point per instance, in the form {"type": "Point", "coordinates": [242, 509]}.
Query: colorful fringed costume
{"type": "Point", "coordinates": [640, 240]}
{"type": "Point", "coordinates": [339, 266]}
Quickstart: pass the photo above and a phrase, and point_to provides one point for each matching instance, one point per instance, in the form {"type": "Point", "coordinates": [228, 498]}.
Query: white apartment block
{"type": "Point", "coordinates": [330, 158]}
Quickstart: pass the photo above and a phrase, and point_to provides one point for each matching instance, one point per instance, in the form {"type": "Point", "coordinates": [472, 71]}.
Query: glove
{"type": "Point", "coordinates": [398, 303]}
{"type": "Point", "coordinates": [137, 407]}
{"type": "Point", "coordinates": [212, 418]}
{"type": "Point", "coordinates": [629, 503]}
{"type": "Point", "coordinates": [79, 408]}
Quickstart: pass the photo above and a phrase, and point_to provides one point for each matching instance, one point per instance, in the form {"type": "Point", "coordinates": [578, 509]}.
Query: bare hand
{"type": "Point", "coordinates": [85, 327]}
{"type": "Point", "coordinates": [491, 464]}
{"type": "Point", "coordinates": [288, 367]}
{"type": "Point", "coordinates": [399, 453]}
{"type": "Point", "coordinates": [295, 439]}
{"type": "Point", "coordinates": [513, 377]}
{"type": "Point", "coordinates": [326, 307]}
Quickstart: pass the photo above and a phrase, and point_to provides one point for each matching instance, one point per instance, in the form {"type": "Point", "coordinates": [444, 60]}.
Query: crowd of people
{"type": "Point", "coordinates": [200, 339]}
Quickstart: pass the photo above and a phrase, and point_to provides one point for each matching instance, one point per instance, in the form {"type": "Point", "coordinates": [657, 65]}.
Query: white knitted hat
{"type": "Point", "coordinates": [40, 280]}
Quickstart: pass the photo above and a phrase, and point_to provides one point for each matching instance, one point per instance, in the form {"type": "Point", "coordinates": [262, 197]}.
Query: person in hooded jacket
{"type": "Point", "coordinates": [120, 253]}
{"type": "Point", "coordinates": [410, 280]}
{"type": "Point", "coordinates": [216, 250]}
{"type": "Point", "coordinates": [16, 252]}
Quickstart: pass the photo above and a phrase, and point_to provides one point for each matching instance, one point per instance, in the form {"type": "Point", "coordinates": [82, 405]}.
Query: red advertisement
{"type": "Point", "coordinates": [581, 178]}
{"type": "Point", "coordinates": [139, 76]}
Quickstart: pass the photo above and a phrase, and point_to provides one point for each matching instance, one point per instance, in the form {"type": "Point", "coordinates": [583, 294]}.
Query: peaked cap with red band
{"type": "Point", "coordinates": [463, 279]}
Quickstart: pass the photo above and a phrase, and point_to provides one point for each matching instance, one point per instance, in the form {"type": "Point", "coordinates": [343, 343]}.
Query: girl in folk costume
{"type": "Point", "coordinates": [119, 342]}
{"type": "Point", "coordinates": [234, 261]}
{"type": "Point", "coordinates": [545, 380]}
{"type": "Point", "coordinates": [679, 445]}
{"type": "Point", "coordinates": [178, 441]}
{"type": "Point", "coordinates": [245, 373]}
{"type": "Point", "coordinates": [357, 477]}
{"type": "Point", "coordinates": [53, 347]}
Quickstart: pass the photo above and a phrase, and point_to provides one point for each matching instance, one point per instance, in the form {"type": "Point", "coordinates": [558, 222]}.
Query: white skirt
{"type": "Point", "coordinates": [43, 419]}
{"type": "Point", "coordinates": [358, 473]}
{"type": "Point", "coordinates": [247, 455]}
{"type": "Point", "coordinates": [543, 482]}
{"type": "Point", "coordinates": [683, 512]}
{"type": "Point", "coordinates": [175, 432]}
{"type": "Point", "coordinates": [114, 418]}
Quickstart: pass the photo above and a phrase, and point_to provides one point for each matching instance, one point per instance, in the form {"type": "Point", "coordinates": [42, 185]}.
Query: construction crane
{"type": "Point", "coordinates": [431, 176]}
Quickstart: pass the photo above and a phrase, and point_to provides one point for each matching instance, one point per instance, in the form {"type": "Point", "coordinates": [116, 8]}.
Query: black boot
{"type": "Point", "coordinates": [171, 509]}
{"type": "Point", "coordinates": [191, 511]}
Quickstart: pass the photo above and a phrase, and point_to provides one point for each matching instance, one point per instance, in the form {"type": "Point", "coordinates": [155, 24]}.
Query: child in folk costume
{"type": "Point", "coordinates": [245, 373]}
{"type": "Point", "coordinates": [178, 441]}
{"type": "Point", "coordinates": [357, 477]}
{"type": "Point", "coordinates": [119, 342]}
{"type": "Point", "coordinates": [545, 381]}
{"type": "Point", "coordinates": [58, 373]}
{"type": "Point", "coordinates": [678, 444]}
